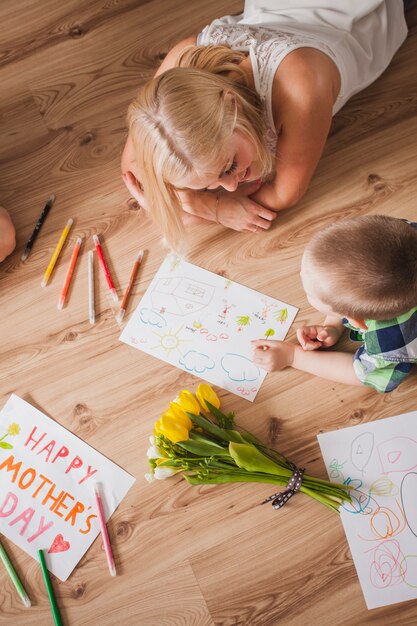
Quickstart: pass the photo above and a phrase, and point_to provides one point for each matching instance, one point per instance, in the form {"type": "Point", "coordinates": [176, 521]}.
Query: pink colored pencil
{"type": "Point", "coordinates": [105, 268]}
{"type": "Point", "coordinates": [104, 534]}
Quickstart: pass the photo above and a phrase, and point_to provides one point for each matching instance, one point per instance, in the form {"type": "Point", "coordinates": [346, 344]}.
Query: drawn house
{"type": "Point", "coordinates": [180, 295]}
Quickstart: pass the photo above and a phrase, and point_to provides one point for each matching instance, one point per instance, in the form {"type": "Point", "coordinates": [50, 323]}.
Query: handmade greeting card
{"type": "Point", "coordinates": [204, 323]}
{"type": "Point", "coordinates": [379, 460]}
{"type": "Point", "coordinates": [47, 478]}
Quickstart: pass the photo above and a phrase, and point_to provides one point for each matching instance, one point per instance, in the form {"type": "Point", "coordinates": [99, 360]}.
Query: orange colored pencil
{"type": "Point", "coordinates": [123, 305]}
{"type": "Point", "coordinates": [68, 275]}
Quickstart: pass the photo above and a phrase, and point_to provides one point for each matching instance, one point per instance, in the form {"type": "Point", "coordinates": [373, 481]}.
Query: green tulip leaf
{"type": "Point", "coordinates": [248, 457]}
{"type": "Point", "coordinates": [5, 445]}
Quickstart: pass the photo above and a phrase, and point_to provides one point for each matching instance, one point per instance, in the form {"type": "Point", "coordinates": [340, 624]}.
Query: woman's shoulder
{"type": "Point", "coordinates": [173, 55]}
{"type": "Point", "coordinates": [306, 77]}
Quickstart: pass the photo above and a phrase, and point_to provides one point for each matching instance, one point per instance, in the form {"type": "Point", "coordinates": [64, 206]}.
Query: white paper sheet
{"type": "Point", "coordinates": [46, 492]}
{"type": "Point", "coordinates": [204, 323]}
{"type": "Point", "coordinates": [379, 459]}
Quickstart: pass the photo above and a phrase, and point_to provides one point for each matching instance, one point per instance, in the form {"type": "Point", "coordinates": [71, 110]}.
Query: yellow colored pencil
{"type": "Point", "coordinates": [56, 253]}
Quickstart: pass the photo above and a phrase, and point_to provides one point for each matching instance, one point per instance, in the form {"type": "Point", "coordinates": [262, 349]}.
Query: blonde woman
{"type": "Point", "coordinates": [233, 125]}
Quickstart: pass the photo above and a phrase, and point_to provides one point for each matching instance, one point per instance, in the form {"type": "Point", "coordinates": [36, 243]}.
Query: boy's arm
{"type": "Point", "coordinates": [336, 366]}
{"type": "Point", "coordinates": [277, 355]}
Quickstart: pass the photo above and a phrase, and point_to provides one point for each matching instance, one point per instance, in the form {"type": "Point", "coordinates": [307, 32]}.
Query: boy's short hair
{"type": "Point", "coordinates": [370, 264]}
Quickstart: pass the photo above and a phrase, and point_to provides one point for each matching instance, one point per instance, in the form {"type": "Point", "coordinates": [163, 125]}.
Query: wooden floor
{"type": "Point", "coordinates": [185, 555]}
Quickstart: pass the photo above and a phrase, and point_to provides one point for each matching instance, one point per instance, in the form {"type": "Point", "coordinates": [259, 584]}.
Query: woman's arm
{"type": "Point", "coordinates": [305, 87]}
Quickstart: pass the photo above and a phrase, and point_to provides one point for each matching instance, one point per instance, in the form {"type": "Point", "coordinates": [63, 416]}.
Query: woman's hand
{"type": "Point", "coordinates": [238, 211]}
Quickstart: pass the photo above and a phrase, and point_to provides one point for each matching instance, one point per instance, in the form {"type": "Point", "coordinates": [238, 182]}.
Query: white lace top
{"type": "Point", "coordinates": [360, 36]}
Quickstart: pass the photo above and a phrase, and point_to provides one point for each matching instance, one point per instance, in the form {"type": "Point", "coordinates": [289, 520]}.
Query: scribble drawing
{"type": "Point", "coordinates": [386, 522]}
{"type": "Point", "coordinates": [398, 454]}
{"type": "Point", "coordinates": [170, 341]}
{"type": "Point", "coordinates": [147, 316]}
{"type": "Point", "coordinates": [409, 570]}
{"type": "Point", "coordinates": [387, 564]}
{"type": "Point", "coordinates": [361, 450]}
{"type": "Point", "coordinates": [360, 499]}
{"type": "Point", "coordinates": [335, 472]}
{"type": "Point", "coordinates": [197, 362]}
{"type": "Point", "coordinates": [239, 368]}
{"type": "Point", "coordinates": [180, 295]}
{"type": "Point", "coordinates": [408, 490]}
{"type": "Point", "coordinates": [384, 487]}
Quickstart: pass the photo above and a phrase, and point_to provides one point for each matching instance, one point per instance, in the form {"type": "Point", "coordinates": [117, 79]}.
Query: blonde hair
{"type": "Point", "coordinates": [181, 122]}
{"type": "Point", "coordinates": [370, 265]}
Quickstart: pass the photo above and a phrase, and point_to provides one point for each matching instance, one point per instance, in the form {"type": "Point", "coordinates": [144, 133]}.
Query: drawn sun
{"type": "Point", "coordinates": [170, 341]}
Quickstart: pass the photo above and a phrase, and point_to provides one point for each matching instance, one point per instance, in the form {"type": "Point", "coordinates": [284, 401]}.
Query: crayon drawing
{"type": "Point", "coordinates": [46, 487]}
{"type": "Point", "coordinates": [379, 460]}
{"type": "Point", "coordinates": [203, 323]}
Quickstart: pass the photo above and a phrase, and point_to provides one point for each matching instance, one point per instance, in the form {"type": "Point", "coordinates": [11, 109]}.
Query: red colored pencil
{"type": "Point", "coordinates": [105, 268]}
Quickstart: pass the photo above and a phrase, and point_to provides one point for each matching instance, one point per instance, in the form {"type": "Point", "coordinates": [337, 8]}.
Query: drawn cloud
{"type": "Point", "coordinates": [147, 316]}
{"type": "Point", "coordinates": [239, 368]}
{"type": "Point", "coordinates": [198, 362]}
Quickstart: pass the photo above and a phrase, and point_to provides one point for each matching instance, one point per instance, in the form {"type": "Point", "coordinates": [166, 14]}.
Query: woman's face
{"type": "Point", "coordinates": [239, 167]}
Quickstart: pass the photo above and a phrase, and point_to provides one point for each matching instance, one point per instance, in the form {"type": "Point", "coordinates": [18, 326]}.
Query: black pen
{"type": "Point", "coordinates": [37, 228]}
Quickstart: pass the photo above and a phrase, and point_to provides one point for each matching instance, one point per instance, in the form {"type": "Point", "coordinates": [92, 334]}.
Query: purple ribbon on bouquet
{"type": "Point", "coordinates": [293, 485]}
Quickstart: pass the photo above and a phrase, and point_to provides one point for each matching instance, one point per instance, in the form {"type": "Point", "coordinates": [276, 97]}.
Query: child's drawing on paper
{"type": "Point", "coordinates": [379, 460]}
{"type": "Point", "coordinates": [204, 323]}
{"type": "Point", "coordinates": [46, 496]}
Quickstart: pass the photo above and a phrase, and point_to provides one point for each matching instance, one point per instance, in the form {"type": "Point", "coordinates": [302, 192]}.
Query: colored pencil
{"type": "Point", "coordinates": [56, 253]}
{"type": "Point", "coordinates": [105, 268]}
{"type": "Point", "coordinates": [37, 228]}
{"type": "Point", "coordinates": [15, 579]}
{"type": "Point", "coordinates": [68, 275]}
{"type": "Point", "coordinates": [91, 309]}
{"type": "Point", "coordinates": [104, 533]}
{"type": "Point", "coordinates": [49, 589]}
{"type": "Point", "coordinates": [135, 268]}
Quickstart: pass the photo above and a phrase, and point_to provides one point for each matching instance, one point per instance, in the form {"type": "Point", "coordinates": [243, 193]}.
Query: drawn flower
{"type": "Point", "coordinates": [205, 394]}
{"type": "Point", "coordinates": [209, 449]}
{"type": "Point", "coordinates": [14, 429]}
{"type": "Point", "coordinates": [281, 315]}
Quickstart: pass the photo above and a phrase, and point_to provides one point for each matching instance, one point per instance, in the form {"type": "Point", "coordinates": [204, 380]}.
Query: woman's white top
{"type": "Point", "coordinates": [360, 36]}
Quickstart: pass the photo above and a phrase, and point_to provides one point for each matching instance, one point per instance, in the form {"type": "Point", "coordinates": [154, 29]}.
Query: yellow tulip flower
{"type": "Point", "coordinates": [178, 412]}
{"type": "Point", "coordinates": [172, 428]}
{"type": "Point", "coordinates": [205, 392]}
{"type": "Point", "coordinates": [187, 402]}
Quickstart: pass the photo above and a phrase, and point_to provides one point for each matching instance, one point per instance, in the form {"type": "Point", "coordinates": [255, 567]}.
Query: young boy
{"type": "Point", "coordinates": [361, 274]}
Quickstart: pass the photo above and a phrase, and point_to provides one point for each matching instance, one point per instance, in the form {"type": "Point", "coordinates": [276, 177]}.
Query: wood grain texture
{"type": "Point", "coordinates": [185, 555]}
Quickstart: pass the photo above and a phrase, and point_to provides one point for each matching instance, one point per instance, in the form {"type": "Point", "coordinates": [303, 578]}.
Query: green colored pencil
{"type": "Point", "coordinates": [15, 578]}
{"type": "Point", "coordinates": [50, 590]}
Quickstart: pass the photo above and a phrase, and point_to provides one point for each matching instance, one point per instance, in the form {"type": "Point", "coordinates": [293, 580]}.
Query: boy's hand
{"type": "Point", "coordinates": [314, 337]}
{"type": "Point", "coordinates": [272, 355]}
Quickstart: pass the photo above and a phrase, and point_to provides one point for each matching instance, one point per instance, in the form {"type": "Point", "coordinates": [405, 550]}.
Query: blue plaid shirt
{"type": "Point", "coordinates": [389, 349]}
{"type": "Point", "coordinates": [388, 352]}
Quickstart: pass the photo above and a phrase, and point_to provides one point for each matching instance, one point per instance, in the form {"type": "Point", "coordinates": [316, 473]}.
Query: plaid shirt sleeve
{"type": "Point", "coordinates": [378, 373]}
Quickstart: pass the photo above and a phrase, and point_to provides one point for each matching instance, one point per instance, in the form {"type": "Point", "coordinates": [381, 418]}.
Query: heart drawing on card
{"type": "Point", "coordinates": [59, 545]}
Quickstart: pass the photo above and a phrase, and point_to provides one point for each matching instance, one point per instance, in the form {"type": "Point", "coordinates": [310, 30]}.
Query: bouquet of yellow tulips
{"type": "Point", "coordinates": [194, 437]}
